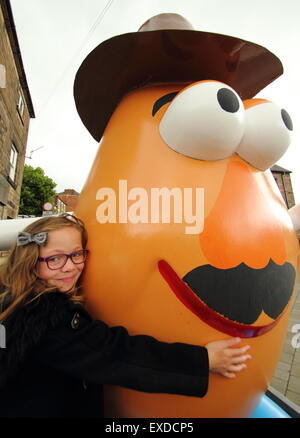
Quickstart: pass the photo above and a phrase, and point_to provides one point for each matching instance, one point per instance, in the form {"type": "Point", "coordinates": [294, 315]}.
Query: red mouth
{"type": "Point", "coordinates": [207, 315]}
{"type": "Point", "coordinates": [67, 279]}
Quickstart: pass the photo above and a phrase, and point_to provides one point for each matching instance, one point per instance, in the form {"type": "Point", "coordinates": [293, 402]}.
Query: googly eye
{"type": "Point", "coordinates": [267, 134]}
{"type": "Point", "coordinates": [204, 121]}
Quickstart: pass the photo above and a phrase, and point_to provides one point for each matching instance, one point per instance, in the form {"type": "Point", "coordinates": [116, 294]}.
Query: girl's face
{"type": "Point", "coordinates": [63, 241]}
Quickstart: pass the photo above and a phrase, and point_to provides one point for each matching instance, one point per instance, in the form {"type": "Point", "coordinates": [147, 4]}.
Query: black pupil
{"type": "Point", "coordinates": [228, 100]}
{"type": "Point", "coordinates": [287, 119]}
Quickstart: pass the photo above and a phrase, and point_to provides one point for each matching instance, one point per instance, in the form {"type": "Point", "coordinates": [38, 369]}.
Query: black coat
{"type": "Point", "coordinates": [57, 359]}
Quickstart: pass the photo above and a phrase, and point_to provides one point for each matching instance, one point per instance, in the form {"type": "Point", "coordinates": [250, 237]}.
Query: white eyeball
{"type": "Point", "coordinates": [204, 121]}
{"type": "Point", "coordinates": [267, 135]}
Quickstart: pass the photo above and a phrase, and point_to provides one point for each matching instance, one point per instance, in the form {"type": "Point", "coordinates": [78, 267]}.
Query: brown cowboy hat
{"type": "Point", "coordinates": [166, 49]}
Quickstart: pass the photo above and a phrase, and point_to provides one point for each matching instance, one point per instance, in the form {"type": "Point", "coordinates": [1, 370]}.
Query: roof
{"type": "Point", "coordinates": [279, 169]}
{"type": "Point", "coordinates": [12, 35]}
{"type": "Point", "coordinates": [61, 200]}
{"type": "Point", "coordinates": [69, 192]}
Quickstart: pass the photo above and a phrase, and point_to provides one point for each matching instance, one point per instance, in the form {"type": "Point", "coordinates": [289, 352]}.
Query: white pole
{"type": "Point", "coordinates": [9, 229]}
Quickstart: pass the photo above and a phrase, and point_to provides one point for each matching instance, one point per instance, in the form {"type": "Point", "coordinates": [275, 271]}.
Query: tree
{"type": "Point", "coordinates": [37, 188]}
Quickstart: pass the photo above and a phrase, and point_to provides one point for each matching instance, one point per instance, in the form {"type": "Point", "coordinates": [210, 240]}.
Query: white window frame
{"type": "Point", "coordinates": [13, 160]}
{"type": "Point", "coordinates": [2, 76]}
{"type": "Point", "coordinates": [20, 104]}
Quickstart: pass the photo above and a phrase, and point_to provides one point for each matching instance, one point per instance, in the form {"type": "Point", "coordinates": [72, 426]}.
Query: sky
{"type": "Point", "coordinates": [55, 37]}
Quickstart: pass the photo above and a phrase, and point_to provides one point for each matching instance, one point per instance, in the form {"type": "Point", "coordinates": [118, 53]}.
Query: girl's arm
{"type": "Point", "coordinates": [91, 350]}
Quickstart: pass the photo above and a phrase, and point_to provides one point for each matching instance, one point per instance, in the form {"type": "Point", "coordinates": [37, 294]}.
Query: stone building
{"type": "Point", "coordinates": [16, 109]}
{"type": "Point", "coordinates": [283, 179]}
{"type": "Point", "coordinates": [60, 205]}
{"type": "Point", "coordinates": [70, 198]}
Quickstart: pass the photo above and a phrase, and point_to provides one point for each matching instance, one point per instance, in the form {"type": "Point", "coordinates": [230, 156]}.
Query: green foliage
{"type": "Point", "coordinates": [37, 188]}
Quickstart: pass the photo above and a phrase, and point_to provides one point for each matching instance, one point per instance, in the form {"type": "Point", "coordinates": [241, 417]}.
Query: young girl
{"type": "Point", "coordinates": [57, 357]}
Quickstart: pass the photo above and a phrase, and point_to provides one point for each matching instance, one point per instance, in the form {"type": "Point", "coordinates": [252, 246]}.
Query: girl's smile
{"type": "Point", "coordinates": [66, 279]}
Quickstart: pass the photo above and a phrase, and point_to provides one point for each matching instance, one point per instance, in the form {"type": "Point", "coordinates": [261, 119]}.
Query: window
{"type": "Point", "coordinates": [20, 105]}
{"type": "Point", "coordinates": [2, 76]}
{"type": "Point", "coordinates": [13, 162]}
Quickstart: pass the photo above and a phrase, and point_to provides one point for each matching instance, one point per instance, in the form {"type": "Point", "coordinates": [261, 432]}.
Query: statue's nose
{"type": "Point", "coordinates": [244, 226]}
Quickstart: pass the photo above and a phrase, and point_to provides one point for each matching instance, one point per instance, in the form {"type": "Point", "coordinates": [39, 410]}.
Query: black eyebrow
{"type": "Point", "coordinates": [162, 101]}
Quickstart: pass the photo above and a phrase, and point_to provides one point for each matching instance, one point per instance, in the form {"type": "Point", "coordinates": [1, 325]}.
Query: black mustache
{"type": "Point", "coordinates": [242, 293]}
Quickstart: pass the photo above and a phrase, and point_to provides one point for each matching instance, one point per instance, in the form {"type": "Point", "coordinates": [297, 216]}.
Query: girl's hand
{"type": "Point", "coordinates": [225, 360]}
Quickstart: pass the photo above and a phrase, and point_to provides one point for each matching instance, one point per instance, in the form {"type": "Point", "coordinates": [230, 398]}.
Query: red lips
{"type": "Point", "coordinates": [67, 279]}
{"type": "Point", "coordinates": [209, 316]}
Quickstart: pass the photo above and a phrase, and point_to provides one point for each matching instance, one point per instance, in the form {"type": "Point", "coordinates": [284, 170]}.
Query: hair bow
{"type": "Point", "coordinates": [26, 238]}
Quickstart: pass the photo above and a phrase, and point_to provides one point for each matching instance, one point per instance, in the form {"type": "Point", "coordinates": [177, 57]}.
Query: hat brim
{"type": "Point", "coordinates": [129, 61]}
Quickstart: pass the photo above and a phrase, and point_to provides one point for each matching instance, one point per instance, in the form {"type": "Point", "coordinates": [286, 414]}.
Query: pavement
{"type": "Point", "coordinates": [286, 378]}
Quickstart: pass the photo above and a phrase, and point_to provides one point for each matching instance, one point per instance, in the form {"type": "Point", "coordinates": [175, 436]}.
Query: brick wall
{"type": "Point", "coordinates": [14, 123]}
{"type": "Point", "coordinates": [70, 198]}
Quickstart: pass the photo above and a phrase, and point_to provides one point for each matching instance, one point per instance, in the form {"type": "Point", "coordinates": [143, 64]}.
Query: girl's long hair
{"type": "Point", "coordinates": [18, 276]}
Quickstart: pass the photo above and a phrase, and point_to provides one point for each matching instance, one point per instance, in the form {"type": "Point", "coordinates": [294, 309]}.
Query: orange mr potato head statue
{"type": "Point", "coordinates": [189, 237]}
